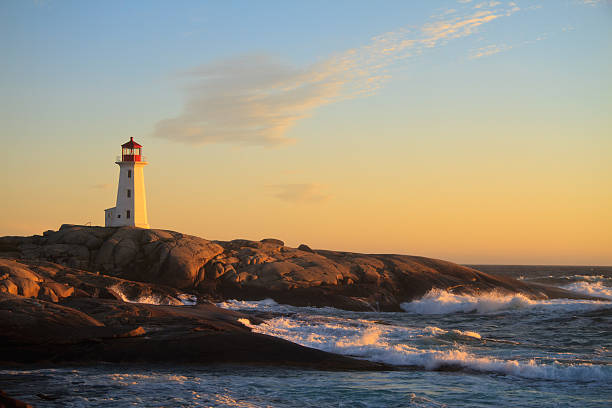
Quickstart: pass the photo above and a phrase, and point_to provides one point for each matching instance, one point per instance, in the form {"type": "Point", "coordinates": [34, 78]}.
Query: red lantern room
{"type": "Point", "coordinates": [131, 151]}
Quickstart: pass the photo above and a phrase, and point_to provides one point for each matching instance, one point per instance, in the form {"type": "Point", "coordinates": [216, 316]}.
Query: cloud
{"type": "Point", "coordinates": [255, 99]}
{"type": "Point", "coordinates": [489, 50]}
{"type": "Point", "coordinates": [595, 2]}
{"type": "Point", "coordinates": [443, 31]}
{"type": "Point", "coordinates": [487, 4]}
{"type": "Point", "coordinates": [299, 193]}
{"type": "Point", "coordinates": [250, 99]}
{"type": "Point", "coordinates": [493, 49]}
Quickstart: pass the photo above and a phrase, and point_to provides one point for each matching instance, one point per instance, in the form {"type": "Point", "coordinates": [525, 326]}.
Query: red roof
{"type": "Point", "coordinates": [131, 144]}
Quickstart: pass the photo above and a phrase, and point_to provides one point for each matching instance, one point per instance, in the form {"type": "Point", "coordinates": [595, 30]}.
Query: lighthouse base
{"type": "Point", "coordinates": [109, 215]}
{"type": "Point", "coordinates": [112, 219]}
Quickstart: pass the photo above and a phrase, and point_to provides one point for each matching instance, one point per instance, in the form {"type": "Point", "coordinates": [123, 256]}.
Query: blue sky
{"type": "Point", "coordinates": [306, 120]}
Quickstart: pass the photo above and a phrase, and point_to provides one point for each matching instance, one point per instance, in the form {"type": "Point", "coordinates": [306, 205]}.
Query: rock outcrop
{"type": "Point", "coordinates": [90, 294]}
{"type": "Point", "coordinates": [90, 330]}
{"type": "Point", "coordinates": [110, 262]}
{"type": "Point", "coordinates": [92, 317]}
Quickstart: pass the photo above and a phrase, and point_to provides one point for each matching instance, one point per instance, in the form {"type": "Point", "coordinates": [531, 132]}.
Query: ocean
{"type": "Point", "coordinates": [447, 350]}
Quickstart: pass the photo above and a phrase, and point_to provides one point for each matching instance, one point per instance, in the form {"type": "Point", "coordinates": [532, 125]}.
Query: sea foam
{"type": "Point", "coordinates": [590, 288]}
{"type": "Point", "coordinates": [438, 301]}
{"type": "Point", "coordinates": [374, 342]}
{"type": "Point", "coordinates": [269, 305]}
{"type": "Point", "coordinates": [153, 299]}
{"type": "Point", "coordinates": [233, 304]}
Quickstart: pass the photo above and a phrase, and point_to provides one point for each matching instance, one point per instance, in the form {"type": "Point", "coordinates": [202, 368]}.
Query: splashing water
{"type": "Point", "coordinates": [590, 288]}
{"type": "Point", "coordinates": [502, 349]}
{"type": "Point", "coordinates": [381, 343]}
{"type": "Point", "coordinates": [438, 301]}
{"type": "Point", "coordinates": [155, 299]}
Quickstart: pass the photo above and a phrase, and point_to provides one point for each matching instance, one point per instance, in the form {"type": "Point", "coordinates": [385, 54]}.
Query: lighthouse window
{"type": "Point", "coordinates": [129, 192]}
{"type": "Point", "coordinates": [127, 214]}
{"type": "Point", "coordinates": [129, 174]}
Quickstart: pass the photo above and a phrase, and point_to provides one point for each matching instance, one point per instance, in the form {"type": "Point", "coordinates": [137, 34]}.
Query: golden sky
{"type": "Point", "coordinates": [478, 132]}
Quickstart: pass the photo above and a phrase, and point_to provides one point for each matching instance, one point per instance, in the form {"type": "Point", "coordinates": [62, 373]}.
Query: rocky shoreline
{"type": "Point", "coordinates": [90, 294]}
{"type": "Point", "coordinates": [88, 330]}
{"type": "Point", "coordinates": [148, 262]}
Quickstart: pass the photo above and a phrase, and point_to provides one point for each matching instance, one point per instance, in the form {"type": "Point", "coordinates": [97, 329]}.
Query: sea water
{"type": "Point", "coordinates": [447, 350]}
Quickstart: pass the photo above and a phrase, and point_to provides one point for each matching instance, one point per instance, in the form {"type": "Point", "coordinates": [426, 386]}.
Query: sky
{"type": "Point", "coordinates": [466, 130]}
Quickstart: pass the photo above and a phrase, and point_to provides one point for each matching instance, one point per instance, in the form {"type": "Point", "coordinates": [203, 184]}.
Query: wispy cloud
{"type": "Point", "coordinates": [255, 99]}
{"type": "Point", "coordinates": [486, 4]}
{"type": "Point", "coordinates": [595, 2]}
{"type": "Point", "coordinates": [489, 50]}
{"type": "Point", "coordinates": [493, 49]}
{"type": "Point", "coordinates": [440, 32]}
{"type": "Point", "coordinates": [299, 193]}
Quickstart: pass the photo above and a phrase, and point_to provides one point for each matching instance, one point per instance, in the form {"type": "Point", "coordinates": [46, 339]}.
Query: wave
{"type": "Point", "coordinates": [565, 277]}
{"type": "Point", "coordinates": [269, 305]}
{"type": "Point", "coordinates": [590, 277]}
{"type": "Point", "coordinates": [436, 331]}
{"type": "Point", "coordinates": [374, 342]}
{"type": "Point", "coordinates": [233, 304]}
{"type": "Point", "coordinates": [153, 299]}
{"type": "Point", "coordinates": [187, 299]}
{"type": "Point", "coordinates": [590, 288]}
{"type": "Point", "coordinates": [438, 301]}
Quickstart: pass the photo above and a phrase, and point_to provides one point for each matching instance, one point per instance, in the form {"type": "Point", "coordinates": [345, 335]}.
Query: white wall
{"type": "Point", "coordinates": [136, 203]}
{"type": "Point", "coordinates": [139, 197]}
{"type": "Point", "coordinates": [109, 215]}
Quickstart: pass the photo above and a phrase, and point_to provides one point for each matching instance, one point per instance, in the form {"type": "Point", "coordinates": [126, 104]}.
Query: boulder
{"type": "Point", "coordinates": [214, 270]}
{"type": "Point", "coordinates": [119, 250]}
{"type": "Point", "coordinates": [26, 287]}
{"type": "Point", "coordinates": [8, 286]}
{"type": "Point", "coordinates": [62, 290]}
{"type": "Point", "coordinates": [305, 248]}
{"type": "Point", "coordinates": [156, 256]}
{"type": "Point", "coordinates": [272, 241]}
{"type": "Point", "coordinates": [48, 294]}
{"type": "Point", "coordinates": [186, 256]}
{"type": "Point", "coordinates": [15, 269]}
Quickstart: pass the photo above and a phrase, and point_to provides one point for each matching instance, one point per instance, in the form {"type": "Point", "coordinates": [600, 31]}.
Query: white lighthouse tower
{"type": "Point", "coordinates": [131, 207]}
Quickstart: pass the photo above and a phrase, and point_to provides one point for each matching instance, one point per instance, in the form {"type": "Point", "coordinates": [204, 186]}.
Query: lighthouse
{"type": "Point", "coordinates": [131, 206]}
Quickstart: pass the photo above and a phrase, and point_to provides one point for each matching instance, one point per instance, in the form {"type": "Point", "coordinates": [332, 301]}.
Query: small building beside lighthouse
{"type": "Point", "coordinates": [131, 205]}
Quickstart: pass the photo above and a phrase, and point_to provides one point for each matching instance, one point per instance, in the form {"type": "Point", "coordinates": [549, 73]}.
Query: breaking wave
{"type": "Point", "coordinates": [438, 301]}
{"type": "Point", "coordinates": [233, 304]}
{"type": "Point", "coordinates": [590, 288]}
{"type": "Point", "coordinates": [269, 305]}
{"type": "Point", "coordinates": [154, 299]}
{"type": "Point", "coordinates": [374, 342]}
{"type": "Point", "coordinates": [187, 299]}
